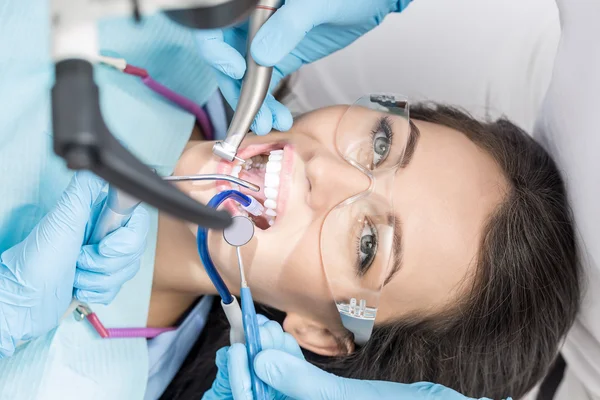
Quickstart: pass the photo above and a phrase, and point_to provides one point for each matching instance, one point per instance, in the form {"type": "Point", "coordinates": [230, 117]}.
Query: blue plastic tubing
{"type": "Point", "coordinates": [202, 240]}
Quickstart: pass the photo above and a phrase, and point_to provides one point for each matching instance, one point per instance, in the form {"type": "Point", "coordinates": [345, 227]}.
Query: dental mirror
{"type": "Point", "coordinates": [239, 232]}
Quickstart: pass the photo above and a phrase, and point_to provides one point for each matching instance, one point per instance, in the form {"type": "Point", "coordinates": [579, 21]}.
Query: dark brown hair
{"type": "Point", "coordinates": [502, 337]}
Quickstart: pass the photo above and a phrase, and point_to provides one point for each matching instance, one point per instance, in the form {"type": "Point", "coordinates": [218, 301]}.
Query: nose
{"type": "Point", "coordinates": [332, 180]}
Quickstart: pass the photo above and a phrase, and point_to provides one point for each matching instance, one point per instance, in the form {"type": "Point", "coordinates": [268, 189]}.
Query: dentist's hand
{"type": "Point", "coordinates": [297, 379]}
{"type": "Point", "coordinates": [233, 379]}
{"type": "Point", "coordinates": [38, 276]}
{"type": "Point", "coordinates": [300, 32]}
{"type": "Point", "coordinates": [282, 366]}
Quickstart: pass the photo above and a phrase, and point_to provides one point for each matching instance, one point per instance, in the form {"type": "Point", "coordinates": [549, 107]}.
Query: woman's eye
{"type": "Point", "coordinates": [381, 138]}
{"type": "Point", "coordinates": [367, 247]}
{"type": "Point", "coordinates": [381, 147]}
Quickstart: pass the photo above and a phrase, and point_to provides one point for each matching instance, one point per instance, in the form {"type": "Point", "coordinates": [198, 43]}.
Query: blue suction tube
{"type": "Point", "coordinates": [251, 330]}
{"type": "Point", "coordinates": [202, 240]}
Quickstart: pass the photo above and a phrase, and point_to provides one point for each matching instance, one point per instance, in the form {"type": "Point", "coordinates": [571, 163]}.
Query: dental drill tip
{"type": "Point", "coordinates": [240, 160]}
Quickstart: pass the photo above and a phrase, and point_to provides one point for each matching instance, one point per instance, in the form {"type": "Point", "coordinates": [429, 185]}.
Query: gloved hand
{"type": "Point", "coordinates": [38, 275]}
{"type": "Point", "coordinates": [233, 379]}
{"type": "Point", "coordinates": [282, 366]}
{"type": "Point", "coordinates": [297, 379]}
{"type": "Point", "coordinates": [300, 32]}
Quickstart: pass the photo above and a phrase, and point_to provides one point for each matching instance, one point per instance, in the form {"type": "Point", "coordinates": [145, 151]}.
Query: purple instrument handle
{"type": "Point", "coordinates": [148, 333]}
{"type": "Point", "coordinates": [182, 102]}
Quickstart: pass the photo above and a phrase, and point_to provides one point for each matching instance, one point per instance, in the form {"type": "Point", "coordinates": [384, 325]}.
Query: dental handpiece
{"type": "Point", "coordinates": [119, 206]}
{"type": "Point", "coordinates": [255, 87]}
{"type": "Point", "coordinates": [116, 212]}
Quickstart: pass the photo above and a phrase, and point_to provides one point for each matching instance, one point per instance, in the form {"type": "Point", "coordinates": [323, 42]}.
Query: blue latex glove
{"type": "Point", "coordinates": [282, 366]}
{"type": "Point", "coordinates": [233, 379]}
{"type": "Point", "coordinates": [38, 275]}
{"type": "Point", "coordinates": [300, 32]}
{"type": "Point", "coordinates": [104, 267]}
{"type": "Point", "coordinates": [298, 379]}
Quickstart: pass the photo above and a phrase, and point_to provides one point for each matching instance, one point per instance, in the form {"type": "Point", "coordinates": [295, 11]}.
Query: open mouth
{"type": "Point", "coordinates": [266, 166]}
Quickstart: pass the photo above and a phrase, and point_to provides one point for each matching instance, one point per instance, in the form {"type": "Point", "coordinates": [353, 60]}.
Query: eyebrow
{"type": "Point", "coordinates": [396, 248]}
{"type": "Point", "coordinates": [397, 251]}
{"type": "Point", "coordinates": [413, 139]}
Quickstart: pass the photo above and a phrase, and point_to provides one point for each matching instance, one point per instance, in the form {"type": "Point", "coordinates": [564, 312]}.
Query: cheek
{"type": "Point", "coordinates": [300, 274]}
{"type": "Point", "coordinates": [321, 124]}
{"type": "Point", "coordinates": [286, 273]}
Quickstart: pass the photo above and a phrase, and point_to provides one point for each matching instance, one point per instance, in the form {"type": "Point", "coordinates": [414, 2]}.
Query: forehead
{"type": "Point", "coordinates": [443, 200]}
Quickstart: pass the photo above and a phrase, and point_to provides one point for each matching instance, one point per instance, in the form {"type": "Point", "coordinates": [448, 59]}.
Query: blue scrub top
{"type": "Point", "coordinates": [71, 358]}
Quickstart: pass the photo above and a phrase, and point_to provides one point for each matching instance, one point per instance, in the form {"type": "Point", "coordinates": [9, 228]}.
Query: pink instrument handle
{"type": "Point", "coordinates": [120, 333]}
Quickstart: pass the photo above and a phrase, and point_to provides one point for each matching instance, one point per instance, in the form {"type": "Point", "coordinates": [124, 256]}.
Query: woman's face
{"type": "Point", "coordinates": [441, 200]}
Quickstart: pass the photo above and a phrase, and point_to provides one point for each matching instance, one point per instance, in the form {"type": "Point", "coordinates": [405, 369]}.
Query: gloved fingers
{"type": "Point", "coordinates": [282, 117]}
{"type": "Point", "coordinates": [88, 184]}
{"type": "Point", "coordinates": [261, 319]}
{"type": "Point", "coordinates": [230, 88]}
{"type": "Point", "coordinates": [94, 214]}
{"type": "Point", "coordinates": [91, 261]}
{"type": "Point", "coordinates": [73, 209]}
{"type": "Point", "coordinates": [263, 123]}
{"type": "Point", "coordinates": [221, 358]}
{"type": "Point", "coordinates": [91, 297]}
{"type": "Point", "coordinates": [291, 346]}
{"type": "Point", "coordinates": [220, 55]}
{"type": "Point", "coordinates": [102, 287]}
{"type": "Point", "coordinates": [299, 379]}
{"type": "Point", "coordinates": [129, 239]}
{"type": "Point", "coordinates": [119, 248]}
{"type": "Point", "coordinates": [231, 91]}
{"type": "Point", "coordinates": [402, 4]}
{"type": "Point", "coordinates": [220, 388]}
{"type": "Point", "coordinates": [423, 391]}
{"type": "Point", "coordinates": [101, 281]}
{"type": "Point", "coordinates": [290, 63]}
{"type": "Point", "coordinates": [236, 38]}
{"type": "Point", "coordinates": [239, 372]}
{"type": "Point", "coordinates": [284, 31]}
{"type": "Point", "coordinates": [84, 189]}
{"type": "Point", "coordinates": [272, 336]}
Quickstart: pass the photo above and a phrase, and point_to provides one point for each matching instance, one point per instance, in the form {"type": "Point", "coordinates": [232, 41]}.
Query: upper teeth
{"type": "Point", "coordinates": [271, 186]}
{"type": "Point", "coordinates": [272, 183]}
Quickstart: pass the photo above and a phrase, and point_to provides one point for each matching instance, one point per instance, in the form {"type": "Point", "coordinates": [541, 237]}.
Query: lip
{"type": "Point", "coordinates": [285, 175]}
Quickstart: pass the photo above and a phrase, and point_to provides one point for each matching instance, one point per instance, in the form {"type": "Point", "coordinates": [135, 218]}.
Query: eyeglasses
{"type": "Point", "coordinates": [372, 136]}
